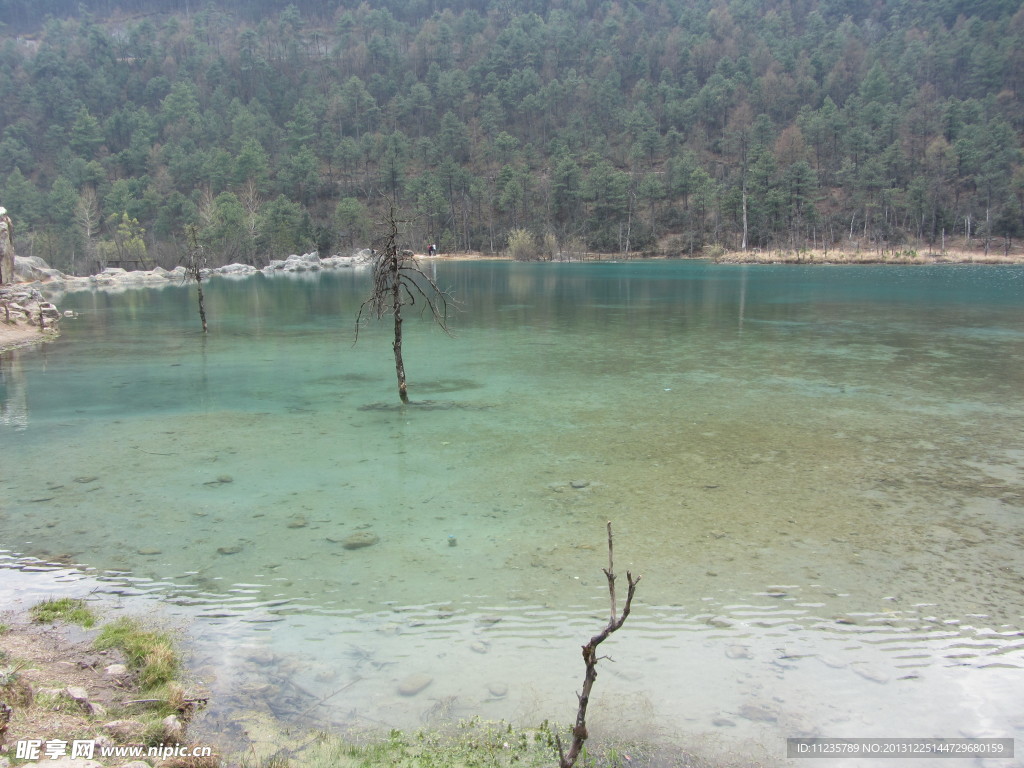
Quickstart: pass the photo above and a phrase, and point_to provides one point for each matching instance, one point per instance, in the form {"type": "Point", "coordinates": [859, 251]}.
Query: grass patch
{"type": "Point", "coordinates": [476, 743]}
{"type": "Point", "coordinates": [149, 652]}
{"type": "Point", "coordinates": [71, 610]}
{"type": "Point", "coordinates": [473, 743]}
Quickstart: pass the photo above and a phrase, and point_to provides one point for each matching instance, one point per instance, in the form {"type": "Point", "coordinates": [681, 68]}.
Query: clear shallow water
{"type": "Point", "coordinates": [818, 471]}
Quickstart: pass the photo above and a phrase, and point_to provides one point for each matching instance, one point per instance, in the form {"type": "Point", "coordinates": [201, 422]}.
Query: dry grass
{"type": "Point", "coordinates": [904, 256]}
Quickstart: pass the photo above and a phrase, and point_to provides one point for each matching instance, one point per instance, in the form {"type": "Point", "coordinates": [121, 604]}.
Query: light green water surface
{"type": "Point", "coordinates": [818, 471]}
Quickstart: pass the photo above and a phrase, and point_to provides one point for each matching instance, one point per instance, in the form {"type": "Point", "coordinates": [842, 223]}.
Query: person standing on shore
{"type": "Point", "coordinates": [6, 248]}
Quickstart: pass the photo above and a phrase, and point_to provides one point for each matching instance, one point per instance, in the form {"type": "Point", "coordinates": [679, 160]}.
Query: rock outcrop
{"type": "Point", "coordinates": [37, 274]}
{"type": "Point", "coordinates": [25, 307]}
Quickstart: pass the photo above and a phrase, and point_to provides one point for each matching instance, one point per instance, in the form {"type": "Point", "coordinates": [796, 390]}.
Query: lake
{"type": "Point", "coordinates": [819, 472]}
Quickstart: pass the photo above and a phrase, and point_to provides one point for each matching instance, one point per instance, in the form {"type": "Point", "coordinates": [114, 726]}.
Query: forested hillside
{"type": "Point", "coordinates": [623, 126]}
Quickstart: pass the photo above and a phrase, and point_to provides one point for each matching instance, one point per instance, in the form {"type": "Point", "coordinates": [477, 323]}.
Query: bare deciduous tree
{"type": "Point", "coordinates": [397, 281]}
{"type": "Point", "coordinates": [87, 218]}
{"type": "Point", "coordinates": [590, 659]}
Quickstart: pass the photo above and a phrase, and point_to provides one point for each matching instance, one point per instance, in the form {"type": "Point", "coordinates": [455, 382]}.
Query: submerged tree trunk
{"type": "Point", "coordinates": [396, 307]}
{"type": "Point", "coordinates": [195, 262]}
{"type": "Point", "coordinates": [202, 302]}
{"type": "Point", "coordinates": [397, 281]}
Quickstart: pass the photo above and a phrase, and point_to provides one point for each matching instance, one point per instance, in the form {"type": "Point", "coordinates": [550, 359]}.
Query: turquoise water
{"type": "Point", "coordinates": [818, 471]}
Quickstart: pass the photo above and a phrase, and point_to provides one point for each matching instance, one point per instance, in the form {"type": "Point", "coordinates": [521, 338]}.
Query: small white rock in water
{"type": "Point", "coordinates": [578, 484]}
{"type": "Point", "coordinates": [149, 551]}
{"type": "Point", "coordinates": [479, 646]}
{"type": "Point", "coordinates": [413, 684]}
{"type": "Point", "coordinates": [232, 550]}
{"type": "Point", "coordinates": [497, 690]}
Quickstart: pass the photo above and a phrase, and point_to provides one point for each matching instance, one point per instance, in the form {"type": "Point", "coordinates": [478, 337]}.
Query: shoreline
{"type": "Point", "coordinates": [805, 257]}
{"type": "Point", "coordinates": [51, 661]}
{"type": "Point", "coordinates": [18, 335]}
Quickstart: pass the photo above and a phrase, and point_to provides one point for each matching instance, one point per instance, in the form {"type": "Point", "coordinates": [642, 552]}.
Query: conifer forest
{"type": "Point", "coordinates": [630, 127]}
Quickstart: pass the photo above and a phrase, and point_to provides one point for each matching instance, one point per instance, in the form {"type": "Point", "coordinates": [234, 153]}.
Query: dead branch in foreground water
{"type": "Point", "coordinates": [590, 659]}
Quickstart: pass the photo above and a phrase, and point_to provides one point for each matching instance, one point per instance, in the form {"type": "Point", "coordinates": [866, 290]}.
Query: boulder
{"type": "Point", "coordinates": [236, 270]}
{"type": "Point", "coordinates": [32, 268]}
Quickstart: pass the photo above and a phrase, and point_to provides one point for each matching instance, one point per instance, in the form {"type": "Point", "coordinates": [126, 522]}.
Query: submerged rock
{"type": "Point", "coordinates": [413, 684]}
{"type": "Point", "coordinates": [758, 713]}
{"type": "Point", "coordinates": [360, 539]}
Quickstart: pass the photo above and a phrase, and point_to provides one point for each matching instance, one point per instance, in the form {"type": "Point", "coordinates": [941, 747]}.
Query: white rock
{"type": "Point", "coordinates": [173, 728]}
{"type": "Point", "coordinates": [77, 693]}
{"type": "Point", "coordinates": [125, 730]}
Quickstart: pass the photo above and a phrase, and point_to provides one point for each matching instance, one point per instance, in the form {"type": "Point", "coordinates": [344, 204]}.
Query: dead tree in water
{"type": "Point", "coordinates": [590, 658]}
{"type": "Point", "coordinates": [195, 263]}
{"type": "Point", "coordinates": [397, 281]}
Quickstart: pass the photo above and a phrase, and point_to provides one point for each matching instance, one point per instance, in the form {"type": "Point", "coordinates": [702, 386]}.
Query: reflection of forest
{"type": "Point", "coordinates": [13, 391]}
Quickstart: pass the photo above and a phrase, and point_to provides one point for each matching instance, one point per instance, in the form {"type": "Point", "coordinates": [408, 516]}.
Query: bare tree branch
{"type": "Point", "coordinates": [590, 659]}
